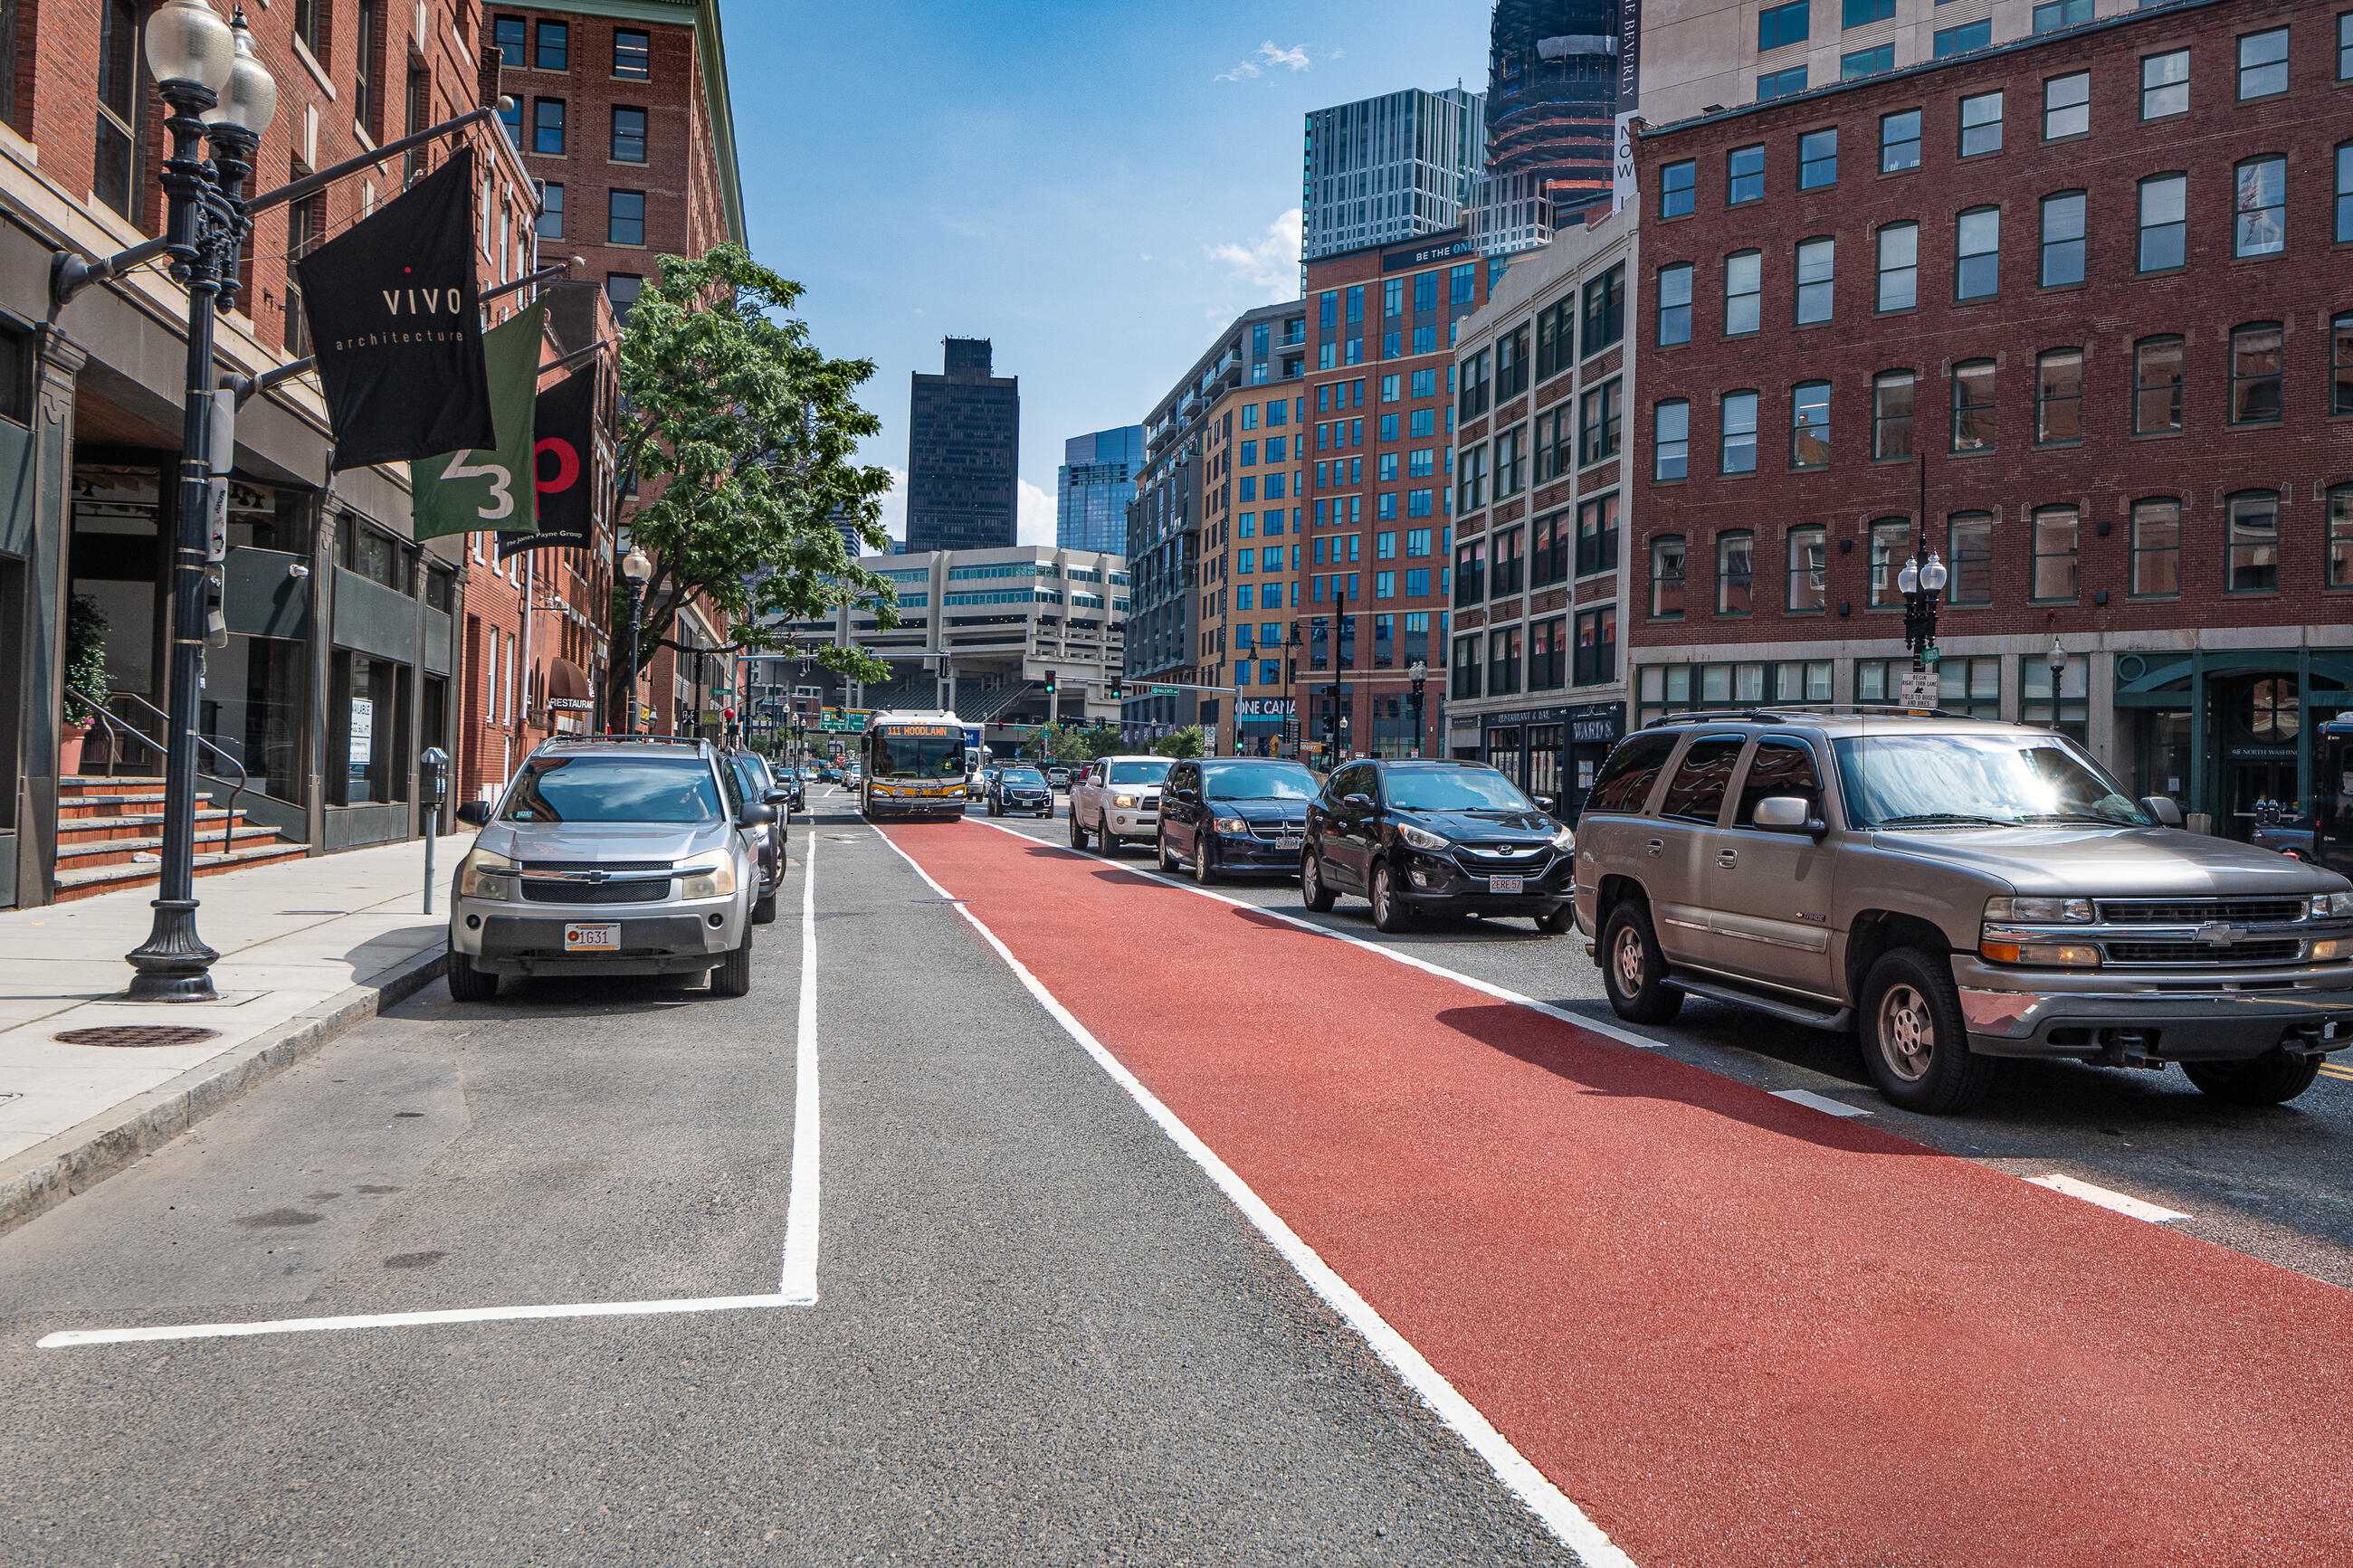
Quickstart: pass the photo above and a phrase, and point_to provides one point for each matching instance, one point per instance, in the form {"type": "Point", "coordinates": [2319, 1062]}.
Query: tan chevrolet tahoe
{"type": "Point", "coordinates": [1958, 891]}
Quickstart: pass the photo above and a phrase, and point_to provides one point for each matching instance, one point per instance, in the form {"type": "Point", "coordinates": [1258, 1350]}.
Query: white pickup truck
{"type": "Point", "coordinates": [1117, 798]}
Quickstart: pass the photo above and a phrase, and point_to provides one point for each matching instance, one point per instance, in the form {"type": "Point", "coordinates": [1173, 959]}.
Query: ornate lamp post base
{"type": "Point", "coordinates": [174, 964]}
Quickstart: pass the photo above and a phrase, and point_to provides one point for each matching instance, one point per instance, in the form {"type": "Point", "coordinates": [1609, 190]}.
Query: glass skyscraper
{"type": "Point", "coordinates": [1388, 168]}
{"type": "Point", "coordinates": [1097, 480]}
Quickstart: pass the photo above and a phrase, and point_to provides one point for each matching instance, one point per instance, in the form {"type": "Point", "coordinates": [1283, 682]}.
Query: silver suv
{"type": "Point", "coordinates": [614, 856]}
{"type": "Point", "coordinates": [1960, 890]}
{"type": "Point", "coordinates": [1116, 801]}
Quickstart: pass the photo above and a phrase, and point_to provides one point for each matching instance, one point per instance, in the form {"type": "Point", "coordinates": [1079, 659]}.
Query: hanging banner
{"type": "Point", "coordinates": [475, 490]}
{"type": "Point", "coordinates": [564, 442]}
{"type": "Point", "coordinates": [1629, 102]}
{"type": "Point", "coordinates": [396, 326]}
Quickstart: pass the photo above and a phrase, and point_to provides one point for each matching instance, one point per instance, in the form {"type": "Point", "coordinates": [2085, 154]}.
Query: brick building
{"type": "Point", "coordinates": [2082, 301]}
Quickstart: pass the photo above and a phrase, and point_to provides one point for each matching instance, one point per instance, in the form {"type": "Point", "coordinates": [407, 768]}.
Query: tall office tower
{"type": "Point", "coordinates": [963, 437]}
{"type": "Point", "coordinates": [1096, 482]}
{"type": "Point", "coordinates": [1551, 88]}
{"type": "Point", "coordinates": [1388, 168]}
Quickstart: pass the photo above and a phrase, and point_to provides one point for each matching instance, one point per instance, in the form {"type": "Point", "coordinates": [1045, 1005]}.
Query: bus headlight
{"type": "Point", "coordinates": [486, 874]}
{"type": "Point", "coordinates": [711, 875]}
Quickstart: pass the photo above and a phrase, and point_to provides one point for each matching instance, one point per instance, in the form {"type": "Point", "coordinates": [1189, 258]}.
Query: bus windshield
{"type": "Point", "coordinates": [896, 756]}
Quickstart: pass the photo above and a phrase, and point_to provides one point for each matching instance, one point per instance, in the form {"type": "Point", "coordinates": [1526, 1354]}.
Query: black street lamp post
{"type": "Point", "coordinates": [1921, 585]}
{"type": "Point", "coordinates": [218, 91]}
{"type": "Point", "coordinates": [1420, 673]}
{"type": "Point", "coordinates": [634, 569]}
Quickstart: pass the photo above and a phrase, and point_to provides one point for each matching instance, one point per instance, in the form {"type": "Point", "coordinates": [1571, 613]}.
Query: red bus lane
{"type": "Point", "coordinates": [1731, 1329]}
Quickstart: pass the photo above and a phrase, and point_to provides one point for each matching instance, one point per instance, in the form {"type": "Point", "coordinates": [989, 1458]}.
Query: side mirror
{"type": "Point", "coordinates": [1358, 801]}
{"type": "Point", "coordinates": [778, 797]}
{"type": "Point", "coordinates": [1788, 814]}
{"type": "Point", "coordinates": [475, 813]}
{"type": "Point", "coordinates": [2161, 807]}
{"type": "Point", "coordinates": [1543, 802]}
{"type": "Point", "coordinates": [756, 814]}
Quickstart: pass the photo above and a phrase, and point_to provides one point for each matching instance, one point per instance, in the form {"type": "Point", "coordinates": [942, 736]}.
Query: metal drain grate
{"type": "Point", "coordinates": [137, 1035]}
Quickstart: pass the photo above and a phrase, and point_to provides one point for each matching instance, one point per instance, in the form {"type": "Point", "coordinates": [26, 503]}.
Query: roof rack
{"type": "Point", "coordinates": [623, 741]}
{"type": "Point", "coordinates": [1787, 713]}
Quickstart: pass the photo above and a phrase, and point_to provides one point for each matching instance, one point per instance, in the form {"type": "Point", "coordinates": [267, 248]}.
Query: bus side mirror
{"type": "Point", "coordinates": [2161, 807]}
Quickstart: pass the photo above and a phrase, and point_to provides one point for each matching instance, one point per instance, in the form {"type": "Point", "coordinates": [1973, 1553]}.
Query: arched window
{"type": "Point", "coordinates": [1977, 254]}
{"type": "Point", "coordinates": [1809, 425]}
{"type": "Point", "coordinates": [1973, 406]}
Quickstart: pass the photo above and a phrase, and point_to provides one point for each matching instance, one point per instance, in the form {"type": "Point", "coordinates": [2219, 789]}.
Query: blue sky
{"type": "Point", "coordinates": [1096, 187]}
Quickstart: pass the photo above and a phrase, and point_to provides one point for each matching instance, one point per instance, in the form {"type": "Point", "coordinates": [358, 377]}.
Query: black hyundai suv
{"type": "Point", "coordinates": [1436, 837]}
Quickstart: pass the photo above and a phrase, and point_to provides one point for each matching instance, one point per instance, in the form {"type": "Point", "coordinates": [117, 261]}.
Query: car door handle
{"type": "Point", "coordinates": [1657, 846]}
{"type": "Point", "coordinates": [1726, 859]}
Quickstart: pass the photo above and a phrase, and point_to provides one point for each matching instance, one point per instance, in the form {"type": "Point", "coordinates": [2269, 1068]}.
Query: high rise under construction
{"type": "Point", "coordinates": [1551, 92]}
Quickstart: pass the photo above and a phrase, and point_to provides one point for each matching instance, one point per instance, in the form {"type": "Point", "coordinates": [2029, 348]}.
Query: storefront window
{"type": "Point", "coordinates": [2073, 716]}
{"type": "Point", "coordinates": [368, 713]}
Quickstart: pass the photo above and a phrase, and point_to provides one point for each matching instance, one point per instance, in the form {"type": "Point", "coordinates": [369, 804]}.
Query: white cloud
{"type": "Point", "coordinates": [1268, 56]}
{"type": "Point", "coordinates": [894, 505]}
{"type": "Point", "coordinates": [1270, 262]}
{"type": "Point", "coordinates": [1034, 511]}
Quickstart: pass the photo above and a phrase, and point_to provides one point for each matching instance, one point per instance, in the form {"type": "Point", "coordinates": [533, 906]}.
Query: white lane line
{"type": "Point", "coordinates": [798, 1289]}
{"type": "Point", "coordinates": [2121, 1203]}
{"type": "Point", "coordinates": [1567, 1522]}
{"type": "Point", "coordinates": [1821, 1102]}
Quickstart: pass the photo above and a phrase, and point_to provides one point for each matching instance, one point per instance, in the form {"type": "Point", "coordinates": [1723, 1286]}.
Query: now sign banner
{"type": "Point", "coordinates": [490, 490]}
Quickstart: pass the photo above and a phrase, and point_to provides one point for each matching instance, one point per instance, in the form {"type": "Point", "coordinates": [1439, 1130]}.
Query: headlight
{"type": "Point", "coordinates": [1232, 824]}
{"type": "Point", "coordinates": [1562, 838]}
{"type": "Point", "coordinates": [1421, 837]}
{"type": "Point", "coordinates": [2330, 906]}
{"type": "Point", "coordinates": [484, 874]}
{"type": "Point", "coordinates": [2038, 909]}
{"type": "Point", "coordinates": [2330, 950]}
{"type": "Point", "coordinates": [2061, 955]}
{"type": "Point", "coordinates": [1123, 802]}
{"type": "Point", "coordinates": [711, 875]}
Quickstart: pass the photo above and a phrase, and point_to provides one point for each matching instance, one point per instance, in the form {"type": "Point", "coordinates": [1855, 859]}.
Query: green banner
{"type": "Point", "coordinates": [472, 491]}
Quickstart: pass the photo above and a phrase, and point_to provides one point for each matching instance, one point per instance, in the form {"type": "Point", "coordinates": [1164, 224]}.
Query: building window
{"type": "Point", "coordinates": [1671, 440]}
{"type": "Point", "coordinates": [1598, 422]}
{"type": "Point", "coordinates": [2340, 537]}
{"type": "Point", "coordinates": [2345, 47]}
{"type": "Point", "coordinates": [554, 47]}
{"type": "Point", "coordinates": [1899, 266]}
{"type": "Point", "coordinates": [1667, 577]}
{"type": "Point", "coordinates": [1471, 572]}
{"type": "Point", "coordinates": [2165, 85]}
{"type": "Point", "coordinates": [1962, 39]}
{"type": "Point", "coordinates": [1743, 291]}
{"type": "Point", "coordinates": [1555, 342]}
{"type": "Point", "coordinates": [2067, 106]}
{"type": "Point", "coordinates": [1597, 535]}
{"type": "Point", "coordinates": [1739, 438]}
{"type": "Point", "coordinates": [2345, 190]}
{"type": "Point", "coordinates": [2164, 225]}
{"type": "Point", "coordinates": [1899, 141]}
{"type": "Point", "coordinates": [1809, 425]}
{"type": "Point", "coordinates": [1605, 311]}
{"type": "Point", "coordinates": [1678, 187]}
{"type": "Point", "coordinates": [2059, 397]}
{"type": "Point", "coordinates": [1744, 175]}
{"type": "Point", "coordinates": [2070, 712]}
{"type": "Point", "coordinates": [2255, 374]}
{"type": "Point", "coordinates": [1473, 397]}
{"type": "Point", "coordinates": [2055, 552]}
{"type": "Point", "coordinates": [2156, 386]}
{"type": "Point", "coordinates": [2157, 548]}
{"type": "Point", "coordinates": [2341, 364]}
{"type": "Point", "coordinates": [1511, 368]}
{"type": "Point", "coordinates": [2063, 240]}
{"type": "Point", "coordinates": [547, 127]}
{"type": "Point", "coordinates": [2261, 209]}
{"type": "Point", "coordinates": [1981, 124]}
{"type": "Point", "coordinates": [1771, 85]}
{"type": "Point", "coordinates": [507, 33]}
{"type": "Point", "coordinates": [628, 135]}
{"type": "Point", "coordinates": [633, 55]}
{"type": "Point", "coordinates": [2055, 15]}
{"type": "Point", "coordinates": [551, 210]}
{"type": "Point", "coordinates": [1596, 646]}
{"type": "Point", "coordinates": [2254, 566]}
{"type": "Point", "coordinates": [626, 218]}
{"type": "Point", "coordinates": [1891, 546]}
{"type": "Point", "coordinates": [2263, 65]}
{"type": "Point", "coordinates": [1815, 261]}
{"type": "Point", "coordinates": [1977, 244]}
{"type": "Point", "coordinates": [1736, 577]}
{"type": "Point", "coordinates": [1891, 413]}
{"type": "Point", "coordinates": [1466, 667]}
{"type": "Point", "coordinates": [1866, 62]}
{"type": "Point", "coordinates": [1973, 406]}
{"type": "Point", "coordinates": [1862, 13]}
{"type": "Point", "coordinates": [1817, 159]}
{"type": "Point", "coordinates": [1548, 556]}
{"type": "Point", "coordinates": [305, 230]}
{"type": "Point", "coordinates": [1781, 25]}
{"type": "Point", "coordinates": [1809, 570]}
{"type": "Point", "coordinates": [1675, 304]}
{"type": "Point", "coordinates": [114, 173]}
{"type": "Point", "coordinates": [1503, 661]}
{"type": "Point", "coordinates": [363, 93]}
{"type": "Point", "coordinates": [1968, 558]}
{"type": "Point", "coordinates": [622, 288]}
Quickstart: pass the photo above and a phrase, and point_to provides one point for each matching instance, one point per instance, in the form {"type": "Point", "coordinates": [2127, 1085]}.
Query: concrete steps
{"type": "Point", "coordinates": [110, 833]}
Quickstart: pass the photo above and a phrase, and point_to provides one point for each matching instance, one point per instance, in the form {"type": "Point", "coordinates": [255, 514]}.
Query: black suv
{"type": "Point", "coordinates": [1238, 814]}
{"type": "Point", "coordinates": [1018, 787]}
{"type": "Point", "coordinates": [1433, 838]}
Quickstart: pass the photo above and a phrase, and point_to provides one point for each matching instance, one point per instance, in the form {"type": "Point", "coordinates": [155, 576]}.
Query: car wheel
{"type": "Point", "coordinates": [468, 983]}
{"type": "Point", "coordinates": [1633, 970]}
{"type": "Point", "coordinates": [1167, 860]}
{"type": "Point", "coordinates": [992, 808]}
{"type": "Point", "coordinates": [1077, 833]}
{"type": "Point", "coordinates": [2273, 1078]}
{"type": "Point", "coordinates": [765, 911]}
{"type": "Point", "coordinates": [1389, 911]}
{"type": "Point", "coordinates": [1205, 859]}
{"type": "Point", "coordinates": [1311, 889]}
{"type": "Point", "coordinates": [733, 978]}
{"type": "Point", "coordinates": [1915, 1042]}
{"type": "Point", "coordinates": [1559, 922]}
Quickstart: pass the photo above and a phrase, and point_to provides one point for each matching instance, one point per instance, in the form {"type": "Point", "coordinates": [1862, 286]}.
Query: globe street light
{"type": "Point", "coordinates": [636, 568]}
{"type": "Point", "coordinates": [1923, 587]}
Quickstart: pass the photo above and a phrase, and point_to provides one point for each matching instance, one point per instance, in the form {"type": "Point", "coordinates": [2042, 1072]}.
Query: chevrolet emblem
{"type": "Point", "coordinates": [2221, 933]}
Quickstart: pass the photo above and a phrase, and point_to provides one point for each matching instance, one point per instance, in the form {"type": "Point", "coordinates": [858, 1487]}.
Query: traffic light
{"type": "Point", "coordinates": [1117, 689]}
{"type": "Point", "coordinates": [1050, 683]}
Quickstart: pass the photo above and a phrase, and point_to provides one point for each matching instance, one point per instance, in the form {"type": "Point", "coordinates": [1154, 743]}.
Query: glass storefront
{"type": "Point", "coordinates": [2229, 735]}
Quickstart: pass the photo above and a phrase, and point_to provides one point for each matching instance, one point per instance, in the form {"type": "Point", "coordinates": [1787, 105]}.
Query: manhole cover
{"type": "Point", "coordinates": [138, 1035]}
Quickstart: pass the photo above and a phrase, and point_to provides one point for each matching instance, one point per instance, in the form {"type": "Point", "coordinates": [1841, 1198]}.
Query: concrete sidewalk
{"type": "Point", "coordinates": [309, 948]}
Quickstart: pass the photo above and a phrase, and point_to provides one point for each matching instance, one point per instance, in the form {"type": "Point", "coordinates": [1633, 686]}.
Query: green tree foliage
{"type": "Point", "coordinates": [1189, 742]}
{"type": "Point", "coordinates": [742, 435]}
{"type": "Point", "coordinates": [85, 659]}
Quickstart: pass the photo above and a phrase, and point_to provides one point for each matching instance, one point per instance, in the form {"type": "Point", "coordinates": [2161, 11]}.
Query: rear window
{"type": "Point", "coordinates": [613, 789]}
{"type": "Point", "coordinates": [1627, 777]}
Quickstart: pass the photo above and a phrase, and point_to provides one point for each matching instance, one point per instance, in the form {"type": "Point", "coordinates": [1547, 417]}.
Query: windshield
{"type": "Point", "coordinates": [919, 757]}
{"type": "Point", "coordinates": [613, 789]}
{"type": "Point", "coordinates": [1454, 789]}
{"type": "Point", "coordinates": [2004, 781]}
{"type": "Point", "coordinates": [1140, 773]}
{"type": "Point", "coordinates": [1021, 776]}
{"type": "Point", "coordinates": [1258, 781]}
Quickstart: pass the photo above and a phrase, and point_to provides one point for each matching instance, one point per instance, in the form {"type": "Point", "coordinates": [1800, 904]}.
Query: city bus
{"type": "Point", "coordinates": [913, 765]}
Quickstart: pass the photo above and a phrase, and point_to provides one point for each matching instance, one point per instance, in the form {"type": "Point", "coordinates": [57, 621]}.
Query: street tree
{"type": "Point", "coordinates": [1188, 742]}
{"type": "Point", "coordinates": [742, 437]}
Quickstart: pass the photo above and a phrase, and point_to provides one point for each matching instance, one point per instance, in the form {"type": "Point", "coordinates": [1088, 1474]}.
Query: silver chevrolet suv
{"type": "Point", "coordinates": [1958, 890]}
{"type": "Point", "coordinates": [618, 855]}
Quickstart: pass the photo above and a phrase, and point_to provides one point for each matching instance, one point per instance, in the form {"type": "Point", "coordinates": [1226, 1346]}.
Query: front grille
{"type": "Point", "coordinates": [648, 891]}
{"type": "Point", "coordinates": [581, 866]}
{"type": "Point", "coordinates": [1480, 861]}
{"type": "Point", "coordinates": [2197, 911]}
{"type": "Point", "coordinates": [1274, 830]}
{"type": "Point", "coordinates": [2200, 952]}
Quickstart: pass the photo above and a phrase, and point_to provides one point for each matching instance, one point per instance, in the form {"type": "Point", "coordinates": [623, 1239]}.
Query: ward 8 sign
{"type": "Point", "coordinates": [478, 490]}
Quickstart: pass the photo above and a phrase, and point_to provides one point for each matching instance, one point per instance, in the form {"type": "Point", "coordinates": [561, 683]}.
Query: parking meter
{"type": "Point", "coordinates": [433, 782]}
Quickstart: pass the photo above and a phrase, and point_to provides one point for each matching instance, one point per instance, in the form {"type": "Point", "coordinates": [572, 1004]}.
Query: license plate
{"type": "Point", "coordinates": [592, 937]}
{"type": "Point", "coordinates": [1289, 841]}
{"type": "Point", "coordinates": [1504, 884]}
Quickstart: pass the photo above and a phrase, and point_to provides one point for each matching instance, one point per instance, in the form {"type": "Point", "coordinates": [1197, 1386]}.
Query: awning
{"type": "Point", "coordinates": [567, 687]}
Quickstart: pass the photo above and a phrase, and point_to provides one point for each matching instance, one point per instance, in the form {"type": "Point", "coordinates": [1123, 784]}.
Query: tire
{"type": "Point", "coordinates": [1167, 861]}
{"type": "Point", "coordinates": [1560, 922]}
{"type": "Point", "coordinates": [1915, 1041]}
{"type": "Point", "coordinates": [992, 808]}
{"type": "Point", "coordinates": [468, 983]}
{"type": "Point", "coordinates": [733, 978]}
{"type": "Point", "coordinates": [1205, 867]}
{"type": "Point", "coordinates": [1390, 914]}
{"type": "Point", "coordinates": [1313, 890]}
{"type": "Point", "coordinates": [1077, 833]}
{"type": "Point", "coordinates": [1633, 970]}
{"type": "Point", "coordinates": [2273, 1078]}
{"type": "Point", "coordinates": [763, 912]}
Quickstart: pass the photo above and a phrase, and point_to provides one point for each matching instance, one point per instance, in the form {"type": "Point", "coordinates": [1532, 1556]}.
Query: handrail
{"type": "Point", "coordinates": [114, 721]}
